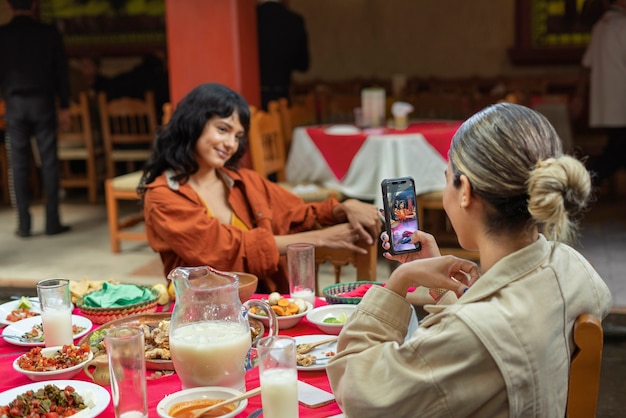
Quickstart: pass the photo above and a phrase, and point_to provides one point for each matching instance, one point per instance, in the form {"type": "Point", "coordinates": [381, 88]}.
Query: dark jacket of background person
{"type": "Point", "coordinates": [283, 48]}
{"type": "Point", "coordinates": [29, 50]}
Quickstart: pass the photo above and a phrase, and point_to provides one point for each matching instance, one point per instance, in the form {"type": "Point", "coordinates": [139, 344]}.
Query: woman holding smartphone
{"type": "Point", "coordinates": [496, 344]}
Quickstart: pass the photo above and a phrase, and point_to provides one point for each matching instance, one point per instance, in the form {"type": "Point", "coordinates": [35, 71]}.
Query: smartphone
{"type": "Point", "coordinates": [400, 206]}
{"type": "Point", "coordinates": [312, 396]}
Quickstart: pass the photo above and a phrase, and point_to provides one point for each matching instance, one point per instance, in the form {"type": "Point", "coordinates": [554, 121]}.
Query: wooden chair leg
{"type": "Point", "coordinates": [112, 215]}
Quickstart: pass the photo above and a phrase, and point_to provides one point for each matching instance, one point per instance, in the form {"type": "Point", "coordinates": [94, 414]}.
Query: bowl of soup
{"type": "Point", "coordinates": [178, 404]}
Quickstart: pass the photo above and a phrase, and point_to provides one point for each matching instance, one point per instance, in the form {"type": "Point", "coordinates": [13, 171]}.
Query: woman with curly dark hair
{"type": "Point", "coordinates": [201, 208]}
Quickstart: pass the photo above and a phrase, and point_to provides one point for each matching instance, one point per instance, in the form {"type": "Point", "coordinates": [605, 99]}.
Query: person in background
{"type": "Point", "coordinates": [497, 344]}
{"type": "Point", "coordinates": [283, 48]}
{"type": "Point", "coordinates": [33, 74]}
{"type": "Point", "coordinates": [200, 208]}
{"type": "Point", "coordinates": [604, 70]}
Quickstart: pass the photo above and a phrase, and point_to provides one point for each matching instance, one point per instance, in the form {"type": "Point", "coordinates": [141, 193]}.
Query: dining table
{"type": "Point", "coordinates": [161, 384]}
{"type": "Point", "coordinates": [355, 160]}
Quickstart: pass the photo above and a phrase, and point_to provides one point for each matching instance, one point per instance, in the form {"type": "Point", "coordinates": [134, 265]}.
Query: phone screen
{"type": "Point", "coordinates": [400, 204]}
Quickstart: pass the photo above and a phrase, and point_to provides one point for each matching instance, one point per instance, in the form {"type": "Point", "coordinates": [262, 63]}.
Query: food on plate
{"type": "Point", "coordinates": [282, 306]}
{"type": "Point", "coordinates": [47, 402]}
{"type": "Point", "coordinates": [35, 335]}
{"type": "Point", "coordinates": [22, 311]}
{"type": "Point", "coordinates": [306, 360]}
{"type": "Point", "coordinates": [67, 356]}
{"type": "Point", "coordinates": [156, 340]}
{"type": "Point", "coordinates": [183, 408]}
{"type": "Point", "coordinates": [339, 319]}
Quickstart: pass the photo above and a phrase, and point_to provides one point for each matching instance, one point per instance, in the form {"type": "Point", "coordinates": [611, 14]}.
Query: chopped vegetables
{"type": "Point", "coordinates": [67, 356]}
{"type": "Point", "coordinates": [47, 402]}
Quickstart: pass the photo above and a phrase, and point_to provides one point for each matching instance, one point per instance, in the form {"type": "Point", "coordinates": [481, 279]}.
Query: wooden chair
{"type": "Point", "coordinates": [365, 263]}
{"type": "Point", "coordinates": [430, 211]}
{"type": "Point", "coordinates": [267, 150]}
{"type": "Point", "coordinates": [300, 113]}
{"type": "Point", "coordinates": [128, 129]}
{"type": "Point", "coordinates": [77, 144]}
{"type": "Point", "coordinates": [586, 364]}
{"type": "Point", "coordinates": [124, 187]}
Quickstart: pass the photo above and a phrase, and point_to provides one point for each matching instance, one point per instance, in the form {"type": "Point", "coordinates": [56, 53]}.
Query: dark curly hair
{"type": "Point", "coordinates": [175, 143]}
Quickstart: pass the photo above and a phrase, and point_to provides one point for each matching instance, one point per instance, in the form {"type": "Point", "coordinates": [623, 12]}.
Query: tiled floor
{"type": "Point", "coordinates": [85, 252]}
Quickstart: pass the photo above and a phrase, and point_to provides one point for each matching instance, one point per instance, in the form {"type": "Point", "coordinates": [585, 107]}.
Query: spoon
{"type": "Point", "coordinates": [199, 412]}
{"type": "Point", "coordinates": [18, 338]}
{"type": "Point", "coordinates": [306, 347]}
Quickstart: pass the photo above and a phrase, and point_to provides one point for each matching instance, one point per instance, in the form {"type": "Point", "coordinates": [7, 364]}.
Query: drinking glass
{"type": "Point", "coordinates": [279, 376]}
{"type": "Point", "coordinates": [56, 311]}
{"type": "Point", "coordinates": [301, 267]}
{"type": "Point", "coordinates": [127, 367]}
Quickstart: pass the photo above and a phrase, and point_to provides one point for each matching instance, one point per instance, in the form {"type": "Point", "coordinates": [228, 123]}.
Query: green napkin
{"type": "Point", "coordinates": [117, 295]}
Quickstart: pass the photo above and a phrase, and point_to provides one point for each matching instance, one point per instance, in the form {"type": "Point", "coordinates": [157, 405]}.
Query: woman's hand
{"type": "Point", "coordinates": [362, 217]}
{"type": "Point", "coordinates": [340, 236]}
{"type": "Point", "coordinates": [428, 242]}
{"type": "Point", "coordinates": [444, 272]}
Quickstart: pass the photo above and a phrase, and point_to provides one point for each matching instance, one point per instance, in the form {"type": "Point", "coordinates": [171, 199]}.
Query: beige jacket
{"type": "Point", "coordinates": [502, 350]}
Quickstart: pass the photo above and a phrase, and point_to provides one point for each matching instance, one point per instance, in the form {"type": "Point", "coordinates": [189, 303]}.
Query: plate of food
{"type": "Point", "coordinates": [156, 331]}
{"type": "Point", "coordinates": [317, 358]}
{"type": "Point", "coordinates": [16, 310]}
{"type": "Point", "coordinates": [29, 332]}
{"type": "Point", "coordinates": [92, 400]}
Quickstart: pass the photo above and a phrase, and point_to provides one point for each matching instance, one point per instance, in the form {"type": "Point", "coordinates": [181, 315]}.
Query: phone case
{"type": "Point", "coordinates": [313, 397]}
{"type": "Point", "coordinates": [400, 206]}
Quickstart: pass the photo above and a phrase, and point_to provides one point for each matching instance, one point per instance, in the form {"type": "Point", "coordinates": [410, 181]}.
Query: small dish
{"type": "Point", "coordinates": [284, 322]}
{"type": "Point", "coordinates": [342, 130]}
{"type": "Point", "coordinates": [209, 392]}
{"type": "Point", "coordinates": [341, 312]}
{"type": "Point", "coordinates": [65, 373]}
{"type": "Point", "coordinates": [322, 353]}
{"type": "Point", "coordinates": [8, 307]}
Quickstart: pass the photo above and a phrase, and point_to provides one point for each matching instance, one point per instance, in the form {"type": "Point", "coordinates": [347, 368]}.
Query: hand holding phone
{"type": "Point", "coordinates": [400, 206]}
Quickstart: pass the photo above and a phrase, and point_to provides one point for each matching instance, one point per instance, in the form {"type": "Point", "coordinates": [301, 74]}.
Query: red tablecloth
{"type": "Point", "coordinates": [159, 388]}
{"type": "Point", "coordinates": [339, 150]}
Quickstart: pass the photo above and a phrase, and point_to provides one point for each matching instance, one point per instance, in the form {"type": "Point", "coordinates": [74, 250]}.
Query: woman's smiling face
{"type": "Point", "coordinates": [219, 141]}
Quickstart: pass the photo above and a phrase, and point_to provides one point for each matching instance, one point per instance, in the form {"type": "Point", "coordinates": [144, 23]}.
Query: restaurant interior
{"type": "Point", "coordinates": [447, 59]}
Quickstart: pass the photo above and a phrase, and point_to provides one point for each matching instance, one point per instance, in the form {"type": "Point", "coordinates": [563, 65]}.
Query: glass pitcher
{"type": "Point", "coordinates": [209, 333]}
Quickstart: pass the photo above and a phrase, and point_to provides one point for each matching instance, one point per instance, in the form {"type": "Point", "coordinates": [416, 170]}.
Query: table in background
{"type": "Point", "coordinates": [159, 388]}
{"type": "Point", "coordinates": [356, 163]}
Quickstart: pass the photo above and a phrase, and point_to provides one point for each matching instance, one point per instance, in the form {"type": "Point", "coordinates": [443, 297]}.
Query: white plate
{"type": "Point", "coordinates": [342, 130]}
{"type": "Point", "coordinates": [6, 309]}
{"type": "Point", "coordinates": [19, 328]}
{"type": "Point", "coordinates": [99, 395]}
{"type": "Point", "coordinates": [319, 352]}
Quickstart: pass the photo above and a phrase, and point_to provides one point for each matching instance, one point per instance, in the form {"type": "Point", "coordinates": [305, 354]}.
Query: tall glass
{"type": "Point", "coordinates": [279, 376]}
{"type": "Point", "coordinates": [127, 369]}
{"type": "Point", "coordinates": [56, 311]}
{"type": "Point", "coordinates": [301, 267]}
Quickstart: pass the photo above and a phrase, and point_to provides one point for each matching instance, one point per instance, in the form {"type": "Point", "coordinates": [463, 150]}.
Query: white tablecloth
{"type": "Point", "coordinates": [381, 156]}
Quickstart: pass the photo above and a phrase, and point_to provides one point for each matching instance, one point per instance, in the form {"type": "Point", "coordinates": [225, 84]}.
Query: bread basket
{"type": "Point", "coordinates": [333, 292]}
{"type": "Point", "coordinates": [103, 315]}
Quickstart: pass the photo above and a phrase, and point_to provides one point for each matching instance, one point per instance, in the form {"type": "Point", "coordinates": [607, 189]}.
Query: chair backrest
{"type": "Point", "coordinates": [167, 113]}
{"type": "Point", "coordinates": [301, 113]}
{"type": "Point", "coordinates": [267, 146]}
{"type": "Point", "coordinates": [585, 367]}
{"type": "Point", "coordinates": [128, 128]}
{"type": "Point", "coordinates": [365, 264]}
{"type": "Point", "coordinates": [79, 133]}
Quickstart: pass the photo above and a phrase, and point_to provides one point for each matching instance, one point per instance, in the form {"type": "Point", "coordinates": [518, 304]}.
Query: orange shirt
{"type": "Point", "coordinates": [180, 230]}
